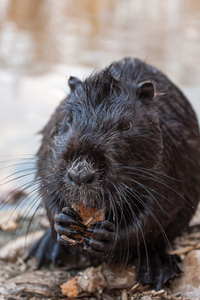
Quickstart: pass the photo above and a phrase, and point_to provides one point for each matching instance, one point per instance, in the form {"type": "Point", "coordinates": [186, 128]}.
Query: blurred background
{"type": "Point", "coordinates": [43, 42]}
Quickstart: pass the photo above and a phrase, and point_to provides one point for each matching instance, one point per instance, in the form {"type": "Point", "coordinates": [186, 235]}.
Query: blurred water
{"type": "Point", "coordinates": [43, 42]}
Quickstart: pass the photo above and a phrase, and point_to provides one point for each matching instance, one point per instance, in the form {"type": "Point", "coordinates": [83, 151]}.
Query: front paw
{"type": "Point", "coordinates": [100, 238]}
{"type": "Point", "coordinates": [68, 227]}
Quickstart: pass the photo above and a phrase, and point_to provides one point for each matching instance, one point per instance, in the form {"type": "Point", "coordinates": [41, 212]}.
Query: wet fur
{"type": "Point", "coordinates": [147, 177]}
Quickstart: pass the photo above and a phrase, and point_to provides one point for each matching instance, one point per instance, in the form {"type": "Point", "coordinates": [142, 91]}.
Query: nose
{"type": "Point", "coordinates": [82, 177]}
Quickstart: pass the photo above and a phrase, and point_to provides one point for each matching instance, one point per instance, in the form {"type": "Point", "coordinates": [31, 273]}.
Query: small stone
{"type": "Point", "coordinates": [188, 284]}
{"type": "Point", "coordinates": [124, 295]}
{"type": "Point", "coordinates": [146, 298]}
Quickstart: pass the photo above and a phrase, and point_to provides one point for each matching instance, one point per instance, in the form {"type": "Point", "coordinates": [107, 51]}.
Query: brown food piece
{"type": "Point", "coordinates": [70, 288]}
{"type": "Point", "coordinates": [89, 215]}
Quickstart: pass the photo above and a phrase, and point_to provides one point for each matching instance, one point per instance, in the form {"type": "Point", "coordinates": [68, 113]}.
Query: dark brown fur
{"type": "Point", "coordinates": [141, 141]}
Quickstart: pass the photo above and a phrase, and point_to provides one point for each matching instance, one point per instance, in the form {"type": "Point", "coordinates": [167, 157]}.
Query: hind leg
{"type": "Point", "coordinates": [47, 249]}
{"type": "Point", "coordinates": [157, 268]}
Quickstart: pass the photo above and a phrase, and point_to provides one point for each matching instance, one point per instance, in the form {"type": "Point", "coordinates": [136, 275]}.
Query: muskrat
{"type": "Point", "coordinates": [126, 140]}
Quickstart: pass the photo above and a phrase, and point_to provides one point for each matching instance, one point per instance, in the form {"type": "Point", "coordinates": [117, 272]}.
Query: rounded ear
{"type": "Point", "coordinates": [73, 82]}
{"type": "Point", "coordinates": [145, 92]}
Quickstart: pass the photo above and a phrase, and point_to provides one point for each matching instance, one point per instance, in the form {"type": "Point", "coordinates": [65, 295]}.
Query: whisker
{"type": "Point", "coordinates": [143, 186]}
{"type": "Point", "coordinates": [16, 178]}
{"type": "Point", "coordinates": [126, 252]}
{"type": "Point", "coordinates": [115, 214]}
{"type": "Point", "coordinates": [147, 171]}
{"type": "Point", "coordinates": [164, 184]}
{"type": "Point", "coordinates": [135, 219]}
{"type": "Point", "coordinates": [19, 203]}
{"type": "Point", "coordinates": [23, 188]}
{"type": "Point", "coordinates": [26, 213]}
{"type": "Point", "coordinates": [134, 193]}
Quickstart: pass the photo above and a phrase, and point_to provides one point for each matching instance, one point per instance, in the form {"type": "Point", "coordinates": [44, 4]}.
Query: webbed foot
{"type": "Point", "coordinates": [47, 249]}
{"type": "Point", "coordinates": [158, 268]}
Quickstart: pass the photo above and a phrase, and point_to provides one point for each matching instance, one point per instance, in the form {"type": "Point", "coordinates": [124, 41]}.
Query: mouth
{"type": "Point", "coordinates": [88, 196]}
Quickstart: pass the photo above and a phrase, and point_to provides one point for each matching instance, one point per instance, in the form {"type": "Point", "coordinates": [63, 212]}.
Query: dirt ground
{"type": "Point", "coordinates": [21, 280]}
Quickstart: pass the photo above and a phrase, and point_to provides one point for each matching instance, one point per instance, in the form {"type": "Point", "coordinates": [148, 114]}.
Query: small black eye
{"type": "Point", "coordinates": [125, 126]}
{"type": "Point", "coordinates": [69, 120]}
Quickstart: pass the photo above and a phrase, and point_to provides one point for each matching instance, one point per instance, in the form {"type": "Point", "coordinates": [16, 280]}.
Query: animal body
{"type": "Point", "coordinates": [126, 140]}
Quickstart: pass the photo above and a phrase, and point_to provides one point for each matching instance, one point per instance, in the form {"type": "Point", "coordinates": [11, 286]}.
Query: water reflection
{"type": "Point", "coordinates": [37, 35]}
